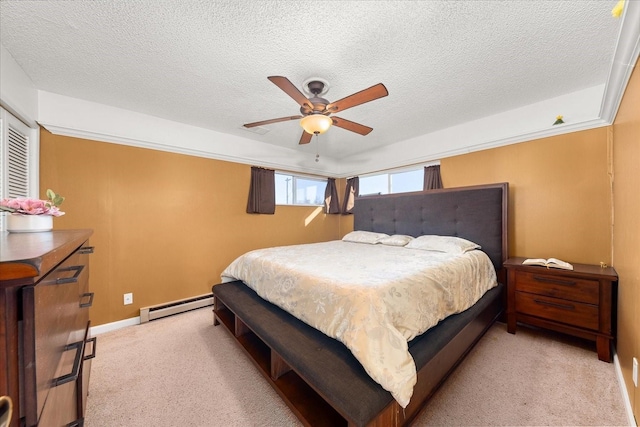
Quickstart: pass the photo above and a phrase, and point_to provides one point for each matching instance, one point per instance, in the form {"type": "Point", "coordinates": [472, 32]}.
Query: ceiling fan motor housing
{"type": "Point", "coordinates": [319, 104]}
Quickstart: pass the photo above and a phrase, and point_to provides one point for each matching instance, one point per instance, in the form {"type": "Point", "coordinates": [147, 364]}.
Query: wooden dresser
{"type": "Point", "coordinates": [579, 302]}
{"type": "Point", "coordinates": [45, 347]}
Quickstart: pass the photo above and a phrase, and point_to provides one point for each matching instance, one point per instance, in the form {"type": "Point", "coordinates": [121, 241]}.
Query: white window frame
{"type": "Point", "coordinates": [9, 121]}
{"type": "Point", "coordinates": [295, 177]}
{"type": "Point", "coordinates": [391, 172]}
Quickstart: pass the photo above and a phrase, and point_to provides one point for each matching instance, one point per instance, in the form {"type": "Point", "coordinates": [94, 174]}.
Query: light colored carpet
{"type": "Point", "coordinates": [183, 371]}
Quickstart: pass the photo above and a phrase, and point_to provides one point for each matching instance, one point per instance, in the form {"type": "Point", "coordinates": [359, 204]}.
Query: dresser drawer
{"type": "Point", "coordinates": [61, 408]}
{"type": "Point", "coordinates": [559, 310]}
{"type": "Point", "coordinates": [569, 288]}
{"type": "Point", "coordinates": [66, 402]}
{"type": "Point", "coordinates": [58, 321]}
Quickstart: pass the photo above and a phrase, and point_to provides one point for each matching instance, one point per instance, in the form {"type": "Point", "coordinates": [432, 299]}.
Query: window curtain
{"type": "Point", "coordinates": [350, 193]}
{"type": "Point", "coordinates": [331, 204]}
{"type": "Point", "coordinates": [432, 178]}
{"type": "Point", "coordinates": [262, 191]}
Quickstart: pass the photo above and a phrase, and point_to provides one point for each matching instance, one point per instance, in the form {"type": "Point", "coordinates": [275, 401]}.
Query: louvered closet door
{"type": "Point", "coordinates": [18, 159]}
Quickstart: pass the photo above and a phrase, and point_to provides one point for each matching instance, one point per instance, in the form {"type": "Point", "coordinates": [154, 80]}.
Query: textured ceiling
{"type": "Point", "coordinates": [206, 63]}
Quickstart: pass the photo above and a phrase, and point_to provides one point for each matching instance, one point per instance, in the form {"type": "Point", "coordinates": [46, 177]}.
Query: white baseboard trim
{"type": "Point", "coordinates": [623, 390]}
{"type": "Point", "coordinates": [113, 326]}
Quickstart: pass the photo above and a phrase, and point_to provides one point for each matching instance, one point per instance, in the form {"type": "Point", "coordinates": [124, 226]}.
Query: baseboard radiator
{"type": "Point", "coordinates": [154, 312]}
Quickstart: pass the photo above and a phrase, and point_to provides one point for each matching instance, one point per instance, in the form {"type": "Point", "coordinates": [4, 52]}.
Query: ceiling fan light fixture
{"type": "Point", "coordinates": [316, 123]}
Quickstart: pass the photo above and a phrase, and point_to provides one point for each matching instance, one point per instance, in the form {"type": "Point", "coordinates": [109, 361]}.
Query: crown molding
{"type": "Point", "coordinates": [432, 158]}
{"type": "Point", "coordinates": [442, 154]}
{"type": "Point", "coordinates": [337, 171]}
{"type": "Point", "coordinates": [153, 145]}
{"type": "Point", "coordinates": [625, 58]}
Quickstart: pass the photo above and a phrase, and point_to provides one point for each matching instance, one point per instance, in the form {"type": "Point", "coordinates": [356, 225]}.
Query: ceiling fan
{"type": "Point", "coordinates": [316, 110]}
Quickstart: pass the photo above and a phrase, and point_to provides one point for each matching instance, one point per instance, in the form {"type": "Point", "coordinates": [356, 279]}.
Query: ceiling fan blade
{"type": "Point", "coordinates": [352, 126]}
{"type": "Point", "coordinates": [268, 122]}
{"type": "Point", "coordinates": [289, 88]}
{"type": "Point", "coordinates": [305, 138]}
{"type": "Point", "coordinates": [366, 95]}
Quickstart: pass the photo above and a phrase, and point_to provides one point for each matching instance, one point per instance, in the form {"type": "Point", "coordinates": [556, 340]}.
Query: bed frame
{"type": "Point", "coordinates": [317, 376]}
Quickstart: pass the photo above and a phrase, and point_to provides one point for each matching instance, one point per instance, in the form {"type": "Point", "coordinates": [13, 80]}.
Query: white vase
{"type": "Point", "coordinates": [29, 223]}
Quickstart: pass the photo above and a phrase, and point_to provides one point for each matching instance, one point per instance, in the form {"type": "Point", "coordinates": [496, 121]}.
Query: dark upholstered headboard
{"type": "Point", "coordinates": [477, 213]}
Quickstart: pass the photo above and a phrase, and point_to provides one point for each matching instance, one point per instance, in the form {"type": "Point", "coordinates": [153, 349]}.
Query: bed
{"type": "Point", "coordinates": [327, 382]}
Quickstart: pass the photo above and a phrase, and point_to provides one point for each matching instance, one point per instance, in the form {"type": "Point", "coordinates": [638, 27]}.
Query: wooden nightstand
{"type": "Point", "coordinates": [580, 302]}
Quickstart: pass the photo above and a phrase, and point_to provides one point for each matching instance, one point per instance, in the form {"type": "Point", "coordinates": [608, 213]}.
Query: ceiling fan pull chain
{"type": "Point", "coordinates": [317, 154]}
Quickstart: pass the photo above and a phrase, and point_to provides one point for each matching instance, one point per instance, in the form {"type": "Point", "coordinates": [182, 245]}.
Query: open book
{"type": "Point", "coordinates": [549, 263]}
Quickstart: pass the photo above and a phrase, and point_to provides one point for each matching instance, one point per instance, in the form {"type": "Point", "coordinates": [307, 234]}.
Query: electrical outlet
{"type": "Point", "coordinates": [635, 371]}
{"type": "Point", "coordinates": [128, 299]}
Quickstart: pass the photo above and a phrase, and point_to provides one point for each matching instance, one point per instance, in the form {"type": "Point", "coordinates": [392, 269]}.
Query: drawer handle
{"type": "Point", "coordinates": [77, 268]}
{"type": "Point", "coordinates": [555, 304]}
{"type": "Point", "coordinates": [86, 250]}
{"type": "Point", "coordinates": [75, 371]}
{"type": "Point", "coordinates": [88, 303]}
{"type": "Point", "coordinates": [77, 423]}
{"type": "Point", "coordinates": [555, 281]}
{"type": "Point", "coordinates": [93, 342]}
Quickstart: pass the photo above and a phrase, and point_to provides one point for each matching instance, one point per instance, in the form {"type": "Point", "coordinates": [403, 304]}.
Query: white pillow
{"type": "Point", "coordinates": [396, 240]}
{"type": "Point", "coordinates": [364, 237]}
{"type": "Point", "coordinates": [449, 244]}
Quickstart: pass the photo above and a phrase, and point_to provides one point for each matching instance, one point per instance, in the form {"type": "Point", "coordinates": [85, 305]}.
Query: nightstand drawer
{"type": "Point", "coordinates": [559, 310]}
{"type": "Point", "coordinates": [569, 288]}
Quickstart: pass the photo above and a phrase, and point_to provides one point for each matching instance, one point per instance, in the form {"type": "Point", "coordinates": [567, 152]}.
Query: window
{"type": "Point", "coordinates": [18, 159]}
{"type": "Point", "coordinates": [299, 190]}
{"type": "Point", "coordinates": [393, 182]}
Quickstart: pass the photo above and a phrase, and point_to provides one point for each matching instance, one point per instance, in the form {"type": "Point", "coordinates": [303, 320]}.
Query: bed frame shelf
{"type": "Point", "coordinates": [303, 400]}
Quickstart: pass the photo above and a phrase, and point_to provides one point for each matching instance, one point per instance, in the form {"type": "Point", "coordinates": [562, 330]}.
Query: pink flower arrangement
{"type": "Point", "coordinates": [28, 206]}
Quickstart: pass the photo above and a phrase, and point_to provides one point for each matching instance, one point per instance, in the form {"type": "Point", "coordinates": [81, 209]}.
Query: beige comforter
{"type": "Point", "coordinates": [372, 298]}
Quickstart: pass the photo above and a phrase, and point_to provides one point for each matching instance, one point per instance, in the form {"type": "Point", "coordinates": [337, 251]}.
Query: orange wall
{"type": "Point", "coordinates": [559, 193]}
{"type": "Point", "coordinates": [165, 225]}
{"type": "Point", "coordinates": [626, 231]}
